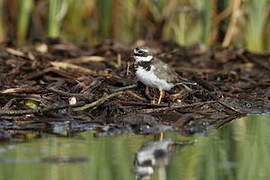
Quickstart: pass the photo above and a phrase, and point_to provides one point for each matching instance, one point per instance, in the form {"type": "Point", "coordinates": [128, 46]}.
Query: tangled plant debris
{"type": "Point", "coordinates": [59, 88]}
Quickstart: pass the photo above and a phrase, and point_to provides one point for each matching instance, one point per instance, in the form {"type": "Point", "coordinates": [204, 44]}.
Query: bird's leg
{"type": "Point", "coordinates": [161, 94]}
{"type": "Point", "coordinates": [128, 68]}
{"type": "Point", "coordinates": [161, 136]}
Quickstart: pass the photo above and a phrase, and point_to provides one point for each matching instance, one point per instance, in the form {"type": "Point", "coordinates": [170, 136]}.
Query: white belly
{"type": "Point", "coordinates": [150, 79]}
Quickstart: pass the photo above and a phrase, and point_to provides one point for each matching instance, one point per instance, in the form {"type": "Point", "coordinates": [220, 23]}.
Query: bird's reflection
{"type": "Point", "coordinates": [155, 155]}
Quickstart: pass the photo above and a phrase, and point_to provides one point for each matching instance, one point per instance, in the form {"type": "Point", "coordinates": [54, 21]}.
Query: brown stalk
{"type": "Point", "coordinates": [233, 23]}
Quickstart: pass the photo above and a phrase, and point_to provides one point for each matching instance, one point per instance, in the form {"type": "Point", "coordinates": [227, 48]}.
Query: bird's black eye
{"type": "Point", "coordinates": [140, 52]}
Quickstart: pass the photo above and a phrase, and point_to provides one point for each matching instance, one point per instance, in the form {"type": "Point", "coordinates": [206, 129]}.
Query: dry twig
{"type": "Point", "coordinates": [38, 110]}
{"type": "Point", "coordinates": [98, 102]}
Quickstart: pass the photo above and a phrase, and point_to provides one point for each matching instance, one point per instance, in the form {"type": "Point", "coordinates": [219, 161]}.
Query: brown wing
{"type": "Point", "coordinates": [164, 71]}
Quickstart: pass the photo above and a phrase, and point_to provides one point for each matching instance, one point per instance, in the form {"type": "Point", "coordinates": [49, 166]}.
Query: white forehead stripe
{"type": "Point", "coordinates": [143, 59]}
{"type": "Point", "coordinates": [141, 49]}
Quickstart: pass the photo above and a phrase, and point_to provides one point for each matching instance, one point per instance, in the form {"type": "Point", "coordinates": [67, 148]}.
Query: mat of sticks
{"type": "Point", "coordinates": [58, 88]}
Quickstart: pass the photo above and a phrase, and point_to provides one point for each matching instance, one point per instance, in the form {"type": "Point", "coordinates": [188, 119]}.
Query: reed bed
{"type": "Point", "coordinates": [241, 23]}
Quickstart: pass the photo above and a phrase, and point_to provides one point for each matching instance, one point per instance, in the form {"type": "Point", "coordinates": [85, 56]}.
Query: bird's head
{"type": "Point", "coordinates": [142, 54]}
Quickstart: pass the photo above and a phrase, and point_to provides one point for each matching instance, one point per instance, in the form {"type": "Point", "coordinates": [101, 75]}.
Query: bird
{"type": "Point", "coordinates": [155, 156]}
{"type": "Point", "coordinates": [153, 72]}
{"type": "Point", "coordinates": [152, 156]}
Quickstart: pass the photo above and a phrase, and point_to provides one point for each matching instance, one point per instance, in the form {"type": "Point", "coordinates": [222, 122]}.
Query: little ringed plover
{"type": "Point", "coordinates": [153, 72]}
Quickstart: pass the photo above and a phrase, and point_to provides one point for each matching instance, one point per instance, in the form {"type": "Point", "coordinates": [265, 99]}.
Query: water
{"type": "Point", "coordinates": [238, 151]}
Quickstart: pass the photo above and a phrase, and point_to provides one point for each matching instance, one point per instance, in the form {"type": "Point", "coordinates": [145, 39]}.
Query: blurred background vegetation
{"type": "Point", "coordinates": [242, 23]}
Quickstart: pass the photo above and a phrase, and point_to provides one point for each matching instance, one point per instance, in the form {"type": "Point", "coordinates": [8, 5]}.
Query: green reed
{"type": "Point", "coordinates": [2, 33]}
{"type": "Point", "coordinates": [56, 13]}
{"type": "Point", "coordinates": [105, 7]}
{"type": "Point", "coordinates": [25, 8]}
{"type": "Point", "coordinates": [207, 10]}
{"type": "Point", "coordinates": [186, 22]}
{"type": "Point", "coordinates": [257, 18]}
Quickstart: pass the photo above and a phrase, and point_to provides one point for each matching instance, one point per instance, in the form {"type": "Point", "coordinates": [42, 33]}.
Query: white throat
{"type": "Point", "coordinates": [143, 59]}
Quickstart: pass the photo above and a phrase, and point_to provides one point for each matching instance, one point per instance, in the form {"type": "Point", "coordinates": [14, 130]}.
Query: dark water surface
{"type": "Point", "coordinates": [240, 150]}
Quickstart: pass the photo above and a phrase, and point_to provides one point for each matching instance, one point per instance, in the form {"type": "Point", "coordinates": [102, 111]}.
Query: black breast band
{"type": "Point", "coordinates": [144, 65]}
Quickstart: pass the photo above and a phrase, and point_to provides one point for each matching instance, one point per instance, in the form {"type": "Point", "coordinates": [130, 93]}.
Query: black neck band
{"type": "Point", "coordinates": [144, 64]}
